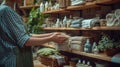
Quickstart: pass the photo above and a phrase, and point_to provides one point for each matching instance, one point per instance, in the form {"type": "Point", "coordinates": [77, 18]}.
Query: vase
{"type": "Point", "coordinates": [111, 52]}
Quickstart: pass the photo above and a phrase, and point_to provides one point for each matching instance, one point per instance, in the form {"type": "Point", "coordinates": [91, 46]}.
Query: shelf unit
{"type": "Point", "coordinates": [100, 56]}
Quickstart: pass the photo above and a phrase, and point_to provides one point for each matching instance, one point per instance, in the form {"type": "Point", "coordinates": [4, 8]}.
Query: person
{"type": "Point", "coordinates": [15, 42]}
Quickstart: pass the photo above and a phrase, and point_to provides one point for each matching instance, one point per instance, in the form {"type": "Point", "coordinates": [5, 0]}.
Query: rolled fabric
{"type": "Point", "coordinates": [78, 2]}
{"type": "Point", "coordinates": [87, 23]}
{"type": "Point", "coordinates": [117, 15]}
{"type": "Point", "coordinates": [110, 17]}
{"type": "Point", "coordinates": [77, 21]}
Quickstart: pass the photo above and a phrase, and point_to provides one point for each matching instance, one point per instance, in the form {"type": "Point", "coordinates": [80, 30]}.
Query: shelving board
{"type": "Point", "coordinates": [106, 28]}
{"type": "Point", "coordinates": [94, 28]}
{"type": "Point", "coordinates": [107, 2]}
{"type": "Point", "coordinates": [48, 28]}
{"type": "Point", "coordinates": [83, 6]}
{"type": "Point", "coordinates": [100, 56]}
{"type": "Point", "coordinates": [28, 7]}
{"type": "Point", "coordinates": [55, 11]}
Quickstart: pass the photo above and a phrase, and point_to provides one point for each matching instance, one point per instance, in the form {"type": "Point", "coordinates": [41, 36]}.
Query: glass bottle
{"type": "Point", "coordinates": [46, 6]}
{"type": "Point", "coordinates": [57, 23]}
{"type": "Point", "coordinates": [87, 46]}
{"type": "Point", "coordinates": [88, 63]}
{"type": "Point", "coordinates": [95, 49]}
{"type": "Point", "coordinates": [79, 64]}
{"type": "Point", "coordinates": [24, 3]}
{"type": "Point", "coordinates": [83, 63]}
{"type": "Point", "coordinates": [49, 5]}
{"type": "Point", "coordinates": [65, 21]}
{"type": "Point", "coordinates": [42, 7]}
{"type": "Point", "coordinates": [69, 21]}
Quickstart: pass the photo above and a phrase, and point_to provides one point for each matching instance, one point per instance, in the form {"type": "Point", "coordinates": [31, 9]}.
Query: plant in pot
{"type": "Point", "coordinates": [108, 45]}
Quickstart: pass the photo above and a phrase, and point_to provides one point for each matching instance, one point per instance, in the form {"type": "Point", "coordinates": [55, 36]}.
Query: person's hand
{"type": "Point", "coordinates": [58, 37]}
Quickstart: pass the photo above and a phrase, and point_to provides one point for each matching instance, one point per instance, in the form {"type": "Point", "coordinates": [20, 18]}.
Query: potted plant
{"type": "Point", "coordinates": [108, 45]}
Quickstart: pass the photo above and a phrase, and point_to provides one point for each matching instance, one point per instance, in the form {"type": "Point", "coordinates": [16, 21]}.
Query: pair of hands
{"type": "Point", "coordinates": [58, 37]}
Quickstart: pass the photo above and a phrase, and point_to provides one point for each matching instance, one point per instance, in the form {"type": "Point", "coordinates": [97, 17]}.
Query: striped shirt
{"type": "Point", "coordinates": [12, 34]}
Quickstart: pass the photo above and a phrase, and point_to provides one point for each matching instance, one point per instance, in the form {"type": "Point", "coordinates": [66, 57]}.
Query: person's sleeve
{"type": "Point", "coordinates": [1, 10]}
{"type": "Point", "coordinates": [16, 27]}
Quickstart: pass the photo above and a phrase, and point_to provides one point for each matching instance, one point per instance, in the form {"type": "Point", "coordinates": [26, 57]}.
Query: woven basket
{"type": "Point", "coordinates": [50, 61]}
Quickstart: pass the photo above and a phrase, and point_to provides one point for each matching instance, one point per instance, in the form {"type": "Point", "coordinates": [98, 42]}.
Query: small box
{"type": "Point", "coordinates": [28, 2]}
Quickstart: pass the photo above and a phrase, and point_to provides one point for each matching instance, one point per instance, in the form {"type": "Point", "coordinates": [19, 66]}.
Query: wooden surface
{"type": "Point", "coordinates": [94, 28]}
{"type": "Point", "coordinates": [56, 11]}
{"type": "Point", "coordinates": [108, 2]}
{"type": "Point", "coordinates": [28, 7]}
{"type": "Point", "coordinates": [100, 56]}
{"type": "Point", "coordinates": [82, 7]}
{"type": "Point", "coordinates": [38, 64]}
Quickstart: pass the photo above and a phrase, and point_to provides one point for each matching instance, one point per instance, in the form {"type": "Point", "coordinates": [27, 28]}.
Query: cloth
{"type": "Point", "coordinates": [116, 58]}
{"type": "Point", "coordinates": [13, 36]}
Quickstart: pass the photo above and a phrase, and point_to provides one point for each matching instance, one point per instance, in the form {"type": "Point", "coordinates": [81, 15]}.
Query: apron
{"type": "Point", "coordinates": [24, 57]}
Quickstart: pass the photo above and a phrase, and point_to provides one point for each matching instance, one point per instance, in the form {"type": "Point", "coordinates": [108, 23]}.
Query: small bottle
{"type": "Point", "coordinates": [42, 7]}
{"type": "Point", "coordinates": [69, 21]}
{"type": "Point", "coordinates": [88, 64]}
{"type": "Point", "coordinates": [79, 64]}
{"type": "Point", "coordinates": [87, 46]}
{"type": "Point", "coordinates": [49, 6]}
{"type": "Point", "coordinates": [83, 63]}
{"type": "Point", "coordinates": [95, 49]}
{"type": "Point", "coordinates": [57, 23]}
{"type": "Point", "coordinates": [65, 21]}
{"type": "Point", "coordinates": [24, 3]}
{"type": "Point", "coordinates": [46, 6]}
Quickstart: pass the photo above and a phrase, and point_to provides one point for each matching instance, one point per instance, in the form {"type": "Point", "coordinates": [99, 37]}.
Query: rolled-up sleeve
{"type": "Point", "coordinates": [15, 28]}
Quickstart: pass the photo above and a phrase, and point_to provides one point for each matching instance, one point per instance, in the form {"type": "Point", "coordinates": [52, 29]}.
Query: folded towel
{"type": "Point", "coordinates": [76, 42]}
{"type": "Point", "coordinates": [75, 25]}
{"type": "Point", "coordinates": [78, 21]}
{"type": "Point", "coordinates": [116, 58]}
{"type": "Point", "coordinates": [78, 38]}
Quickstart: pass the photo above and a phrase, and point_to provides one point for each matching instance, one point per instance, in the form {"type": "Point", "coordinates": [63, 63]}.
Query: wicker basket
{"type": "Point", "coordinates": [50, 61]}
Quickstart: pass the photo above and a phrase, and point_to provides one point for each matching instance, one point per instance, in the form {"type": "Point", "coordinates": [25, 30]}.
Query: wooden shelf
{"type": "Point", "coordinates": [82, 7]}
{"type": "Point", "coordinates": [100, 56]}
{"type": "Point", "coordinates": [56, 11]}
{"type": "Point", "coordinates": [106, 28]}
{"type": "Point", "coordinates": [107, 2]}
{"type": "Point", "coordinates": [94, 28]}
{"type": "Point", "coordinates": [28, 7]}
{"type": "Point", "coordinates": [65, 29]}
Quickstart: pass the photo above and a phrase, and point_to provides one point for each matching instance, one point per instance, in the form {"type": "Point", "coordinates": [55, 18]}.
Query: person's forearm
{"type": "Point", "coordinates": [37, 41]}
{"type": "Point", "coordinates": [41, 35]}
